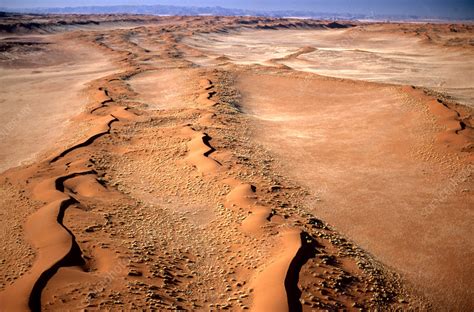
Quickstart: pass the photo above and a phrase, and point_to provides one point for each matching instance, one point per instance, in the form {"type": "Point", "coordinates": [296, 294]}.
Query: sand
{"type": "Point", "coordinates": [163, 89]}
{"type": "Point", "coordinates": [375, 53]}
{"type": "Point", "coordinates": [33, 97]}
{"type": "Point", "coordinates": [170, 177]}
{"type": "Point", "coordinates": [362, 163]}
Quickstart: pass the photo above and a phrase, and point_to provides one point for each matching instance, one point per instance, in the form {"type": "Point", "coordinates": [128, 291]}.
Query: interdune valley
{"type": "Point", "coordinates": [202, 163]}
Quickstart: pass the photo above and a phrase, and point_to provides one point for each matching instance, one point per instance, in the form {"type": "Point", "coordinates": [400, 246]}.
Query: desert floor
{"type": "Point", "coordinates": [211, 163]}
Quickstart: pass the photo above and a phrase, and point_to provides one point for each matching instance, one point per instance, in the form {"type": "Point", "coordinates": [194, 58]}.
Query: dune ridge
{"type": "Point", "coordinates": [199, 147]}
{"type": "Point", "coordinates": [458, 132]}
{"type": "Point", "coordinates": [102, 129]}
{"type": "Point", "coordinates": [55, 243]}
{"type": "Point", "coordinates": [274, 286]}
{"type": "Point", "coordinates": [289, 57]}
{"type": "Point", "coordinates": [103, 97]}
{"type": "Point", "coordinates": [271, 292]}
{"type": "Point", "coordinates": [199, 151]}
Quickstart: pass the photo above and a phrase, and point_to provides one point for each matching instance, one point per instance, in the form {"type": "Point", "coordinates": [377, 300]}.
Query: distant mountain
{"type": "Point", "coordinates": [181, 10]}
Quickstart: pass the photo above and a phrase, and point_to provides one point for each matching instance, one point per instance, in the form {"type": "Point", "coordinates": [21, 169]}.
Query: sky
{"type": "Point", "coordinates": [462, 8]}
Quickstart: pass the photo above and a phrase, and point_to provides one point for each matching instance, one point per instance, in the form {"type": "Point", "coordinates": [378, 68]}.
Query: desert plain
{"type": "Point", "coordinates": [235, 163]}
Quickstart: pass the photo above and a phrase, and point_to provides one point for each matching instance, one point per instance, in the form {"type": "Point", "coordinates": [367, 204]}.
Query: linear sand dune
{"type": "Point", "coordinates": [199, 148]}
{"type": "Point", "coordinates": [270, 289]}
{"type": "Point", "coordinates": [102, 129]}
{"type": "Point", "coordinates": [55, 244]}
{"type": "Point", "coordinates": [270, 292]}
{"type": "Point", "coordinates": [199, 151]}
{"type": "Point", "coordinates": [242, 196]}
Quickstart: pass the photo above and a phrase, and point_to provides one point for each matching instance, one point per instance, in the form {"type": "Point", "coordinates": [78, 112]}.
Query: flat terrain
{"type": "Point", "coordinates": [234, 163]}
{"type": "Point", "coordinates": [41, 90]}
{"type": "Point", "coordinates": [440, 59]}
{"type": "Point", "coordinates": [366, 154]}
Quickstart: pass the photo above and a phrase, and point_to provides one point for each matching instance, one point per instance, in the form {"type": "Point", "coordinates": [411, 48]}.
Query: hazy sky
{"type": "Point", "coordinates": [463, 8]}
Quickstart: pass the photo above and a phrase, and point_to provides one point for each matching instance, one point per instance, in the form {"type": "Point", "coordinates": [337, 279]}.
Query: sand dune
{"type": "Point", "coordinates": [176, 186]}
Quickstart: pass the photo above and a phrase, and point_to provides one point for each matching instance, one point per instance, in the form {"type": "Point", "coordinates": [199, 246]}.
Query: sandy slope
{"type": "Point", "coordinates": [366, 153]}
{"type": "Point", "coordinates": [165, 89]}
{"type": "Point", "coordinates": [34, 93]}
{"type": "Point", "coordinates": [427, 56]}
{"type": "Point", "coordinates": [163, 194]}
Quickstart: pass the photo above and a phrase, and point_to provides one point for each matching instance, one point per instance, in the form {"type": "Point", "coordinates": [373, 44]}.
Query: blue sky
{"type": "Point", "coordinates": [463, 8]}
